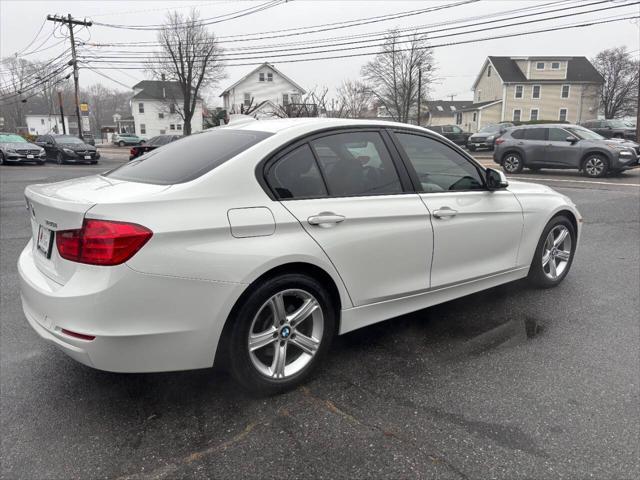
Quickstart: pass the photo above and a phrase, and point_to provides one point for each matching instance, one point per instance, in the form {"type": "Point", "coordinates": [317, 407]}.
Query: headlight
{"type": "Point", "coordinates": [491, 138]}
{"type": "Point", "coordinates": [69, 151]}
{"type": "Point", "coordinates": [625, 153]}
{"type": "Point", "coordinates": [11, 150]}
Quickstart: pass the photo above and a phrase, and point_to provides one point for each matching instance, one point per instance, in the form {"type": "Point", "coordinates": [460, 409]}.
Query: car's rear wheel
{"type": "Point", "coordinates": [121, 143]}
{"type": "Point", "coordinates": [595, 166]}
{"type": "Point", "coordinates": [554, 253]}
{"type": "Point", "coordinates": [280, 333]}
{"type": "Point", "coordinates": [512, 163]}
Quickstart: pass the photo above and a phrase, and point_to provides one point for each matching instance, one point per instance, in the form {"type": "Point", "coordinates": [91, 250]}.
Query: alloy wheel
{"type": "Point", "coordinates": [285, 334]}
{"type": "Point", "coordinates": [556, 252]}
{"type": "Point", "coordinates": [59, 159]}
{"type": "Point", "coordinates": [511, 163]}
{"type": "Point", "coordinates": [594, 166]}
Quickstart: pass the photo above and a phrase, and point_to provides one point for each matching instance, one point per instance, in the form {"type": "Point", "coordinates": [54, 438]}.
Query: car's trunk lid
{"type": "Point", "coordinates": [62, 206]}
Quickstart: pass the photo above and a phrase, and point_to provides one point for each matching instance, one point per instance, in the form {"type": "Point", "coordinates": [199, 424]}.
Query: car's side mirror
{"type": "Point", "coordinates": [571, 139]}
{"type": "Point", "coordinates": [495, 179]}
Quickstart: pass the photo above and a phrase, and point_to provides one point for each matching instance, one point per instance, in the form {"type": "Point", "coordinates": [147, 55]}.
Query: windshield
{"type": "Point", "coordinates": [616, 124]}
{"type": "Point", "coordinates": [188, 159]}
{"type": "Point", "coordinates": [68, 139]}
{"type": "Point", "coordinates": [11, 138]}
{"type": "Point", "coordinates": [584, 133]}
{"type": "Point", "coordinates": [490, 129]}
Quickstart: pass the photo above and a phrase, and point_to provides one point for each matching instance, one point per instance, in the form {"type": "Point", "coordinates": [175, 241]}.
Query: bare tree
{"type": "Point", "coordinates": [16, 85]}
{"type": "Point", "coordinates": [393, 74]}
{"type": "Point", "coordinates": [619, 92]}
{"type": "Point", "coordinates": [191, 57]}
{"type": "Point", "coordinates": [354, 98]}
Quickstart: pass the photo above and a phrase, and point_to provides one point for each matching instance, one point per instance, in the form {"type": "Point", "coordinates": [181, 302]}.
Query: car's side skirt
{"type": "Point", "coordinates": [358, 317]}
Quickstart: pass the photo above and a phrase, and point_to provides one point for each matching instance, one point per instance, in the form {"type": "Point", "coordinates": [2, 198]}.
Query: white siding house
{"type": "Point", "coordinates": [41, 124]}
{"type": "Point", "coordinates": [155, 108]}
{"type": "Point", "coordinates": [265, 88]}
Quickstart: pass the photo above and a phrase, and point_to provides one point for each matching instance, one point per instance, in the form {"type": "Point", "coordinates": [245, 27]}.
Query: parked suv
{"type": "Point", "coordinates": [452, 132]}
{"type": "Point", "coordinates": [611, 128]}
{"type": "Point", "coordinates": [487, 136]}
{"type": "Point", "coordinates": [563, 146]}
{"type": "Point", "coordinates": [122, 139]}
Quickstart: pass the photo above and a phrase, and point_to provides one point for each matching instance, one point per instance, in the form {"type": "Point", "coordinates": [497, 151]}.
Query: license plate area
{"type": "Point", "coordinates": [29, 156]}
{"type": "Point", "coordinates": [45, 241]}
{"type": "Point", "coordinates": [87, 157]}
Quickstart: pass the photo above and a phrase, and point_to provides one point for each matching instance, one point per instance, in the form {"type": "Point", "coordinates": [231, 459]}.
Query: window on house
{"type": "Point", "coordinates": [172, 126]}
{"type": "Point", "coordinates": [285, 99]}
{"type": "Point", "coordinates": [247, 99]}
{"type": "Point", "coordinates": [516, 115]}
{"type": "Point", "coordinates": [459, 118]}
{"type": "Point", "coordinates": [261, 77]}
{"type": "Point", "coordinates": [143, 128]}
{"type": "Point", "coordinates": [179, 126]}
{"type": "Point", "coordinates": [479, 95]}
{"type": "Point", "coordinates": [162, 131]}
{"type": "Point", "coordinates": [533, 115]}
{"type": "Point", "coordinates": [519, 91]}
{"type": "Point", "coordinates": [540, 66]}
{"type": "Point", "coordinates": [489, 71]}
{"type": "Point", "coordinates": [295, 98]}
{"type": "Point", "coordinates": [160, 115]}
{"type": "Point", "coordinates": [475, 116]}
{"type": "Point", "coordinates": [563, 115]}
{"type": "Point", "coordinates": [172, 108]}
{"type": "Point", "coordinates": [555, 65]}
{"type": "Point", "coordinates": [535, 91]}
{"type": "Point", "coordinates": [439, 108]}
{"type": "Point", "coordinates": [42, 121]}
{"type": "Point", "coordinates": [565, 91]}
{"type": "Point", "coordinates": [141, 108]}
{"type": "Point", "coordinates": [269, 77]}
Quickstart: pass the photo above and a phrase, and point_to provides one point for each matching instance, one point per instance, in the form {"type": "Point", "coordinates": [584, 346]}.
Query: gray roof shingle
{"type": "Point", "coordinates": [579, 69]}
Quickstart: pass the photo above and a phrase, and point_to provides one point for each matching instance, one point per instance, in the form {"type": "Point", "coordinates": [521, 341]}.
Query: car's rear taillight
{"type": "Point", "coordinates": [499, 141]}
{"type": "Point", "coordinates": [102, 242]}
{"type": "Point", "coordinates": [133, 151]}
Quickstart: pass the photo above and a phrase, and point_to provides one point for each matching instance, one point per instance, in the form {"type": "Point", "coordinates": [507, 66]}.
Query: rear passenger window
{"type": "Point", "coordinates": [296, 175]}
{"type": "Point", "coordinates": [356, 163]}
{"type": "Point", "coordinates": [518, 134]}
{"type": "Point", "coordinates": [534, 134]}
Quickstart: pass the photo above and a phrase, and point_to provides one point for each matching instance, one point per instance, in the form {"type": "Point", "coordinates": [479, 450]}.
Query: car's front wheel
{"type": "Point", "coordinates": [59, 158]}
{"type": "Point", "coordinates": [554, 253]}
{"type": "Point", "coordinates": [512, 163]}
{"type": "Point", "coordinates": [595, 166]}
{"type": "Point", "coordinates": [280, 333]}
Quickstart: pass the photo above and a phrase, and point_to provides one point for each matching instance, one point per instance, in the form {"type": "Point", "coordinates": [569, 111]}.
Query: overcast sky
{"type": "Point", "coordinates": [457, 66]}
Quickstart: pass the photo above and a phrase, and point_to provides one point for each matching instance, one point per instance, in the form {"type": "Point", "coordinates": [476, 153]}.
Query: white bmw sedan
{"type": "Point", "coordinates": [257, 243]}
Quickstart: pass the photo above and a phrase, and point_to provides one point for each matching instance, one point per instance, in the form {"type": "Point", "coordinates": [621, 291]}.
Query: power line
{"type": "Point", "coordinates": [385, 35]}
{"type": "Point", "coordinates": [461, 42]}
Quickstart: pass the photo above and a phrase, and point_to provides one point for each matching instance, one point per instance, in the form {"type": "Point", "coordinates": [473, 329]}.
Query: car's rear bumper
{"type": "Point", "coordinates": [141, 322]}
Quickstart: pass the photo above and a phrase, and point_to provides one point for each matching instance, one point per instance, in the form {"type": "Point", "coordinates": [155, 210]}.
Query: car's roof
{"type": "Point", "coordinates": [546, 125]}
{"type": "Point", "coordinates": [283, 124]}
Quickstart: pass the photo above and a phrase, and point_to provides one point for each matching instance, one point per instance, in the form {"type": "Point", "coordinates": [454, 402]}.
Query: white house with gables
{"type": "Point", "coordinates": [264, 89]}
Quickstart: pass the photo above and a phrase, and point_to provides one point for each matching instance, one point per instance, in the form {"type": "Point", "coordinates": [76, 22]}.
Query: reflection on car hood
{"type": "Point", "coordinates": [20, 145]}
{"type": "Point", "coordinates": [518, 187]}
{"type": "Point", "coordinates": [620, 141]}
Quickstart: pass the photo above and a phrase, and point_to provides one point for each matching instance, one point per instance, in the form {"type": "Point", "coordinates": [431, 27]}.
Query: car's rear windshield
{"type": "Point", "coordinates": [188, 158]}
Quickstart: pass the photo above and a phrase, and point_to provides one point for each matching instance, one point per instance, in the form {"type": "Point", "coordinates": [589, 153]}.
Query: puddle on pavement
{"type": "Point", "coordinates": [506, 335]}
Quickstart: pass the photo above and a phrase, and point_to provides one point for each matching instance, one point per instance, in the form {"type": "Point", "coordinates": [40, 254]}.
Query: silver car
{"type": "Point", "coordinates": [563, 146]}
{"type": "Point", "coordinates": [14, 149]}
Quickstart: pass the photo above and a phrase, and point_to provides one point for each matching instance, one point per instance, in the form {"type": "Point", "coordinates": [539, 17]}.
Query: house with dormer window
{"type": "Point", "coordinates": [263, 90]}
{"type": "Point", "coordinates": [522, 89]}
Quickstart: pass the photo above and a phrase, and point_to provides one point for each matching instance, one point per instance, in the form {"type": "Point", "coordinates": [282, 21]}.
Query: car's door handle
{"type": "Point", "coordinates": [445, 212]}
{"type": "Point", "coordinates": [325, 219]}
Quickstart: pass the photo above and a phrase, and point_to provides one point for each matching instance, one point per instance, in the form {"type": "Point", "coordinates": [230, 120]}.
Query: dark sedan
{"type": "Point", "coordinates": [487, 136]}
{"type": "Point", "coordinates": [452, 132]}
{"type": "Point", "coordinates": [14, 148]}
{"type": "Point", "coordinates": [67, 149]}
{"type": "Point", "coordinates": [152, 144]}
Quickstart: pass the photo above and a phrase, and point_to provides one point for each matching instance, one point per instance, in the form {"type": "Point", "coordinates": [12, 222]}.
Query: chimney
{"type": "Point", "coordinates": [162, 77]}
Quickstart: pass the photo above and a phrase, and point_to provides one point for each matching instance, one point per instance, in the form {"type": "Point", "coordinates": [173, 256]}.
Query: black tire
{"type": "Point", "coordinates": [512, 163]}
{"type": "Point", "coordinates": [471, 148]}
{"type": "Point", "coordinates": [121, 143]}
{"type": "Point", "coordinates": [41, 162]}
{"type": "Point", "coordinates": [94, 162]}
{"type": "Point", "coordinates": [595, 165]}
{"type": "Point", "coordinates": [2, 162]}
{"type": "Point", "coordinates": [60, 159]}
{"type": "Point", "coordinates": [538, 277]}
{"type": "Point", "coordinates": [238, 358]}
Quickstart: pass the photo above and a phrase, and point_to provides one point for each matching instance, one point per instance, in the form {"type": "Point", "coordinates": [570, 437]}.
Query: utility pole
{"type": "Point", "coordinates": [638, 111]}
{"type": "Point", "coordinates": [70, 22]}
{"type": "Point", "coordinates": [64, 128]}
{"type": "Point", "coordinates": [419, 91]}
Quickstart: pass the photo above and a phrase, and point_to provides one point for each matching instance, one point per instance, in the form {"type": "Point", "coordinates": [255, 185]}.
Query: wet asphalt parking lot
{"type": "Point", "coordinates": [512, 383]}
